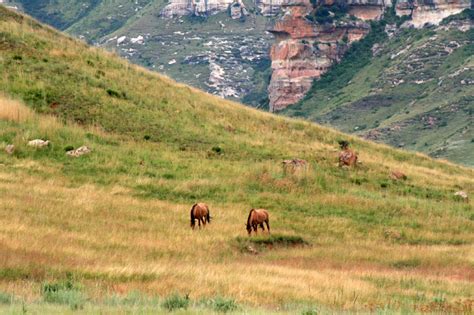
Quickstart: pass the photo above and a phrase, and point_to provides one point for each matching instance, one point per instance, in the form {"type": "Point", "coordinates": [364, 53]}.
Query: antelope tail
{"type": "Point", "coordinates": [250, 215]}
{"type": "Point", "coordinates": [193, 218]}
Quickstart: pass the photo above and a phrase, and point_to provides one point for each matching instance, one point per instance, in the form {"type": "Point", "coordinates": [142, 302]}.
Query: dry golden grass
{"type": "Point", "coordinates": [115, 242]}
{"type": "Point", "coordinates": [15, 111]}
{"type": "Point", "coordinates": [50, 228]}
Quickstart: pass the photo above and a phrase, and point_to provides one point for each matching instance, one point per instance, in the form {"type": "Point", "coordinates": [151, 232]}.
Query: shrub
{"type": "Point", "coordinates": [5, 298]}
{"type": "Point", "coordinates": [74, 299]}
{"type": "Point", "coordinates": [217, 150]}
{"type": "Point", "coordinates": [116, 94]}
{"type": "Point", "coordinates": [146, 137]}
{"type": "Point", "coordinates": [63, 292]}
{"type": "Point", "coordinates": [224, 305]}
{"type": "Point", "coordinates": [175, 302]}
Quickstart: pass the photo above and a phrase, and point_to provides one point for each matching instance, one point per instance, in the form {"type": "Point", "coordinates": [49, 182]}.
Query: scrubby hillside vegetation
{"type": "Point", "coordinates": [110, 230]}
{"type": "Point", "coordinates": [410, 88]}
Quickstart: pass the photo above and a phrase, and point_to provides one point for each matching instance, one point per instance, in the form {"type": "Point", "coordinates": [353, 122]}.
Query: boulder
{"type": "Point", "coordinates": [10, 149]}
{"type": "Point", "coordinates": [79, 151]}
{"type": "Point", "coordinates": [294, 165]}
{"type": "Point", "coordinates": [38, 143]}
{"type": "Point", "coordinates": [397, 175]}
{"type": "Point", "coordinates": [461, 195]}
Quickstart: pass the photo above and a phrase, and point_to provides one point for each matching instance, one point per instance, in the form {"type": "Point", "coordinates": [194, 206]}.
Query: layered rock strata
{"type": "Point", "coordinates": [304, 50]}
{"type": "Point", "coordinates": [270, 7]}
{"type": "Point", "coordinates": [430, 11]}
{"type": "Point", "coordinates": [195, 7]}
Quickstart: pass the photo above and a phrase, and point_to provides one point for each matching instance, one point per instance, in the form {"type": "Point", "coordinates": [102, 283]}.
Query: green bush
{"type": "Point", "coordinates": [217, 149]}
{"type": "Point", "coordinates": [74, 299]}
{"type": "Point", "coordinates": [5, 298]}
{"type": "Point", "coordinates": [224, 305]}
{"type": "Point", "coordinates": [175, 302]}
{"type": "Point", "coordinates": [116, 94]}
{"type": "Point", "coordinates": [64, 292]}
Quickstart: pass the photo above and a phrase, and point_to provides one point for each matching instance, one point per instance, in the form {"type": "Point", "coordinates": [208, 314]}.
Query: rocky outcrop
{"type": "Point", "coordinates": [367, 9]}
{"type": "Point", "coordinates": [304, 50]}
{"type": "Point", "coordinates": [237, 10]}
{"type": "Point", "coordinates": [430, 11]}
{"type": "Point", "coordinates": [270, 7]}
{"type": "Point", "coordinates": [195, 7]}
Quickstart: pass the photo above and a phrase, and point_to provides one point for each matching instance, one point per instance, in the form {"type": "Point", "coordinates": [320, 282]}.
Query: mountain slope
{"type": "Point", "coordinates": [85, 232]}
{"type": "Point", "coordinates": [412, 90]}
{"type": "Point", "coordinates": [216, 53]}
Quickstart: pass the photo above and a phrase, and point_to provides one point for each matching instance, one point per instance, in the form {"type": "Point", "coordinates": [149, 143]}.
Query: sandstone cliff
{"type": "Point", "coordinates": [430, 11]}
{"type": "Point", "coordinates": [304, 50]}
{"type": "Point", "coordinates": [195, 7]}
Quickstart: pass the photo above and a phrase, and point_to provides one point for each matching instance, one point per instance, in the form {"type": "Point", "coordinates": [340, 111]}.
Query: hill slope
{"type": "Point", "coordinates": [89, 231]}
{"type": "Point", "coordinates": [413, 89]}
{"type": "Point", "coordinates": [216, 53]}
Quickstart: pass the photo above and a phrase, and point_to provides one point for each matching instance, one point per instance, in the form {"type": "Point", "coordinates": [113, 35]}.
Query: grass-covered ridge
{"type": "Point", "coordinates": [411, 89]}
{"type": "Point", "coordinates": [115, 222]}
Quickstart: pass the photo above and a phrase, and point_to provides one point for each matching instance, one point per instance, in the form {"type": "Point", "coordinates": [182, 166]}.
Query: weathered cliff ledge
{"type": "Point", "coordinates": [200, 8]}
{"type": "Point", "coordinates": [307, 44]}
{"type": "Point", "coordinates": [304, 50]}
{"type": "Point", "coordinates": [430, 11]}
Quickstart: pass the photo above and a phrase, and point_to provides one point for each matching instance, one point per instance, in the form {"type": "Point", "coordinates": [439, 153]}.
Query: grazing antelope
{"type": "Point", "coordinates": [200, 212]}
{"type": "Point", "coordinates": [256, 218]}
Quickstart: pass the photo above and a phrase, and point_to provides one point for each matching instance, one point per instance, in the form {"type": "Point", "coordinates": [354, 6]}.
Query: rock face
{"type": "Point", "coordinates": [270, 7]}
{"type": "Point", "coordinates": [237, 10]}
{"type": "Point", "coordinates": [368, 9]}
{"type": "Point", "coordinates": [304, 50]}
{"type": "Point", "coordinates": [203, 8]}
{"type": "Point", "coordinates": [430, 11]}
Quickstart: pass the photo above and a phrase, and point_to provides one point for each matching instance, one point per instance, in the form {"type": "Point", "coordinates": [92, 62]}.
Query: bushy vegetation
{"type": "Point", "coordinates": [176, 302]}
{"type": "Point", "coordinates": [5, 298]}
{"type": "Point", "coordinates": [63, 292]}
{"type": "Point", "coordinates": [327, 14]}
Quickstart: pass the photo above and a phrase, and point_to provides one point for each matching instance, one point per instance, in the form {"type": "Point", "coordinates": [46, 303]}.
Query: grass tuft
{"type": "Point", "coordinates": [176, 302]}
{"type": "Point", "coordinates": [6, 298]}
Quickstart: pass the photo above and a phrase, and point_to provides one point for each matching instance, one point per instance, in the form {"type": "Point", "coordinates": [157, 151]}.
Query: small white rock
{"type": "Point", "coordinates": [10, 149]}
{"type": "Point", "coordinates": [38, 143]}
{"type": "Point", "coordinates": [79, 151]}
{"type": "Point", "coordinates": [461, 194]}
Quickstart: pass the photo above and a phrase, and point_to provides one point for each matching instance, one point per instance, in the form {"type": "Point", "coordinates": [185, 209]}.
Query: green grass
{"type": "Point", "coordinates": [358, 95]}
{"type": "Point", "coordinates": [176, 302]}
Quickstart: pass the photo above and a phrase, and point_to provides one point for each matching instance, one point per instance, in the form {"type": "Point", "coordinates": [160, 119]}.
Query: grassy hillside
{"type": "Point", "coordinates": [415, 92]}
{"type": "Point", "coordinates": [110, 230]}
{"type": "Point", "coordinates": [185, 48]}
